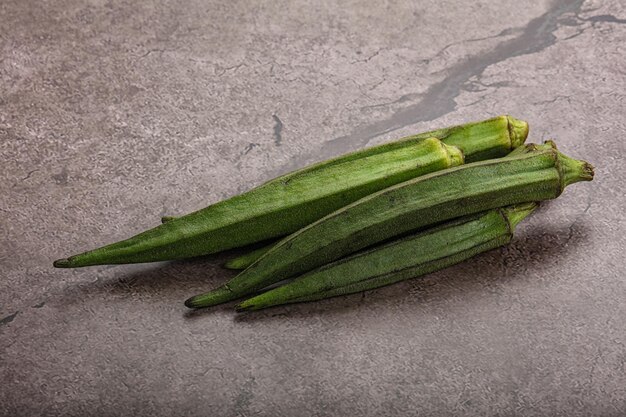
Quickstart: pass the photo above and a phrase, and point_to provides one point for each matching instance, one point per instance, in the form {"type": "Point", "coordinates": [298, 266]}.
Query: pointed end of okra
{"type": "Point", "coordinates": [517, 213]}
{"type": "Point", "coordinates": [217, 296]}
{"type": "Point", "coordinates": [235, 263]}
{"type": "Point", "coordinates": [78, 261]}
{"type": "Point", "coordinates": [518, 131]}
{"type": "Point", "coordinates": [255, 303]}
{"type": "Point", "coordinates": [245, 306]}
{"type": "Point", "coordinates": [267, 299]}
{"type": "Point", "coordinates": [62, 263]}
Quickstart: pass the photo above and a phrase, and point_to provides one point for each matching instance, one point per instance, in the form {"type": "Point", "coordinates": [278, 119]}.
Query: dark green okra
{"type": "Point", "coordinates": [248, 258]}
{"type": "Point", "coordinates": [243, 261]}
{"type": "Point", "coordinates": [287, 203]}
{"type": "Point", "coordinates": [422, 253]}
{"type": "Point", "coordinates": [536, 175]}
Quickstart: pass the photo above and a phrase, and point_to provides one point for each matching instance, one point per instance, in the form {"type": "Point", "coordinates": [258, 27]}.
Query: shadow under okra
{"type": "Point", "coordinates": [165, 279]}
{"type": "Point", "coordinates": [166, 282]}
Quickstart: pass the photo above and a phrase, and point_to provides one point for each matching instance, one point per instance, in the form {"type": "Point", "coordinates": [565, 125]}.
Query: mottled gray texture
{"type": "Point", "coordinates": [113, 114]}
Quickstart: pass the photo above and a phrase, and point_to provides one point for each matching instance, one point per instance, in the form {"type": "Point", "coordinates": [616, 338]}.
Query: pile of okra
{"type": "Point", "coordinates": [366, 219]}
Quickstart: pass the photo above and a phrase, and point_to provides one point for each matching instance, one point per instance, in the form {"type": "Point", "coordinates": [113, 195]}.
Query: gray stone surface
{"type": "Point", "coordinates": [115, 113]}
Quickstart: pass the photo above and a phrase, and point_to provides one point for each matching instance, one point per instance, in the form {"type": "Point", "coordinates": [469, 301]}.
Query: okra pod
{"type": "Point", "coordinates": [287, 203]}
{"type": "Point", "coordinates": [247, 259]}
{"type": "Point", "coordinates": [536, 175]}
{"type": "Point", "coordinates": [241, 262]}
{"type": "Point", "coordinates": [421, 253]}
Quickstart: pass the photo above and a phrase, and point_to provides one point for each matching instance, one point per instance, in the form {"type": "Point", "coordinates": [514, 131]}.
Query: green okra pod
{"type": "Point", "coordinates": [243, 261]}
{"type": "Point", "coordinates": [536, 175]}
{"type": "Point", "coordinates": [421, 253]}
{"type": "Point", "coordinates": [287, 203]}
{"type": "Point", "coordinates": [248, 258]}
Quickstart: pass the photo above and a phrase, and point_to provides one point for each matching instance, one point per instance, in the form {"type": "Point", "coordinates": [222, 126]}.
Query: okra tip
{"type": "Point", "coordinates": [235, 263]}
{"type": "Point", "coordinates": [257, 302]}
{"type": "Point", "coordinates": [217, 296]}
{"type": "Point", "coordinates": [62, 263]}
{"type": "Point", "coordinates": [518, 131]}
{"type": "Point", "coordinates": [245, 306]}
{"type": "Point", "coordinates": [76, 261]}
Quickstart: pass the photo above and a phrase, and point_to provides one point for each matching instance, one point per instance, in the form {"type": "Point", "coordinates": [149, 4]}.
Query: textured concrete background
{"type": "Point", "coordinates": [113, 113]}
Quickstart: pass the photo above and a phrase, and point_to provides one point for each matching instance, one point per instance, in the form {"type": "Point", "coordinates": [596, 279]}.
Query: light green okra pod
{"type": "Point", "coordinates": [289, 202]}
{"type": "Point", "coordinates": [535, 175]}
{"type": "Point", "coordinates": [422, 253]}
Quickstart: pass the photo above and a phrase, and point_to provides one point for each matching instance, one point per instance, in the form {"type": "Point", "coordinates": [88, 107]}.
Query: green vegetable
{"type": "Point", "coordinates": [536, 175]}
{"type": "Point", "coordinates": [243, 261]}
{"type": "Point", "coordinates": [428, 251]}
{"type": "Point", "coordinates": [287, 203]}
{"type": "Point", "coordinates": [248, 258]}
